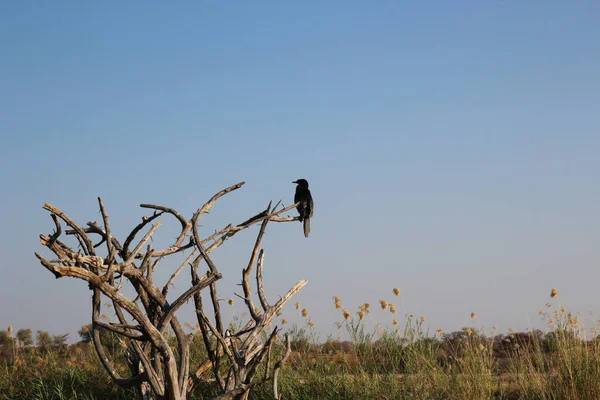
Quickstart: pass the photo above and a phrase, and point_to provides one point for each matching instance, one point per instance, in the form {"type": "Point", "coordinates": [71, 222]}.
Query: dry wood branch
{"type": "Point", "coordinates": [253, 336]}
{"type": "Point", "coordinates": [232, 230]}
{"type": "Point", "coordinates": [89, 247]}
{"type": "Point", "coordinates": [151, 360]}
{"type": "Point", "coordinates": [199, 246]}
{"type": "Point", "coordinates": [219, 337]}
{"type": "Point", "coordinates": [56, 233]}
{"type": "Point", "coordinates": [154, 335]}
{"type": "Point", "coordinates": [203, 282]}
{"type": "Point", "coordinates": [109, 249]}
{"type": "Point", "coordinates": [138, 351]}
{"type": "Point", "coordinates": [210, 204]}
{"type": "Point", "coordinates": [171, 211]}
{"type": "Point", "coordinates": [142, 242]}
{"type": "Point", "coordinates": [285, 219]}
{"type": "Point", "coordinates": [122, 331]}
{"type": "Point", "coordinates": [246, 272]}
{"type": "Point", "coordinates": [185, 225]}
{"type": "Point", "coordinates": [259, 281]}
{"type": "Point", "coordinates": [279, 365]}
{"type": "Point", "coordinates": [172, 278]}
{"type": "Point", "coordinates": [93, 227]}
{"type": "Point", "coordinates": [148, 374]}
{"type": "Point", "coordinates": [134, 232]}
{"type": "Point", "coordinates": [261, 354]}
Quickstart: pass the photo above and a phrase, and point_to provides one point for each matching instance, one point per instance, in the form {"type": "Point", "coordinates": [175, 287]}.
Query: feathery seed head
{"type": "Point", "coordinates": [553, 293]}
{"type": "Point", "coordinates": [383, 304]}
{"type": "Point", "coordinates": [396, 291]}
{"type": "Point", "coordinates": [338, 302]}
{"type": "Point", "coordinates": [346, 314]}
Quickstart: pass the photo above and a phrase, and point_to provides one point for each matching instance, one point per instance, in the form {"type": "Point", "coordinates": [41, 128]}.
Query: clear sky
{"type": "Point", "coordinates": [452, 147]}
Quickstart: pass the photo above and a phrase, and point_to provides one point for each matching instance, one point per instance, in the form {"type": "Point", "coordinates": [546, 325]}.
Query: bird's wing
{"type": "Point", "coordinates": [310, 204]}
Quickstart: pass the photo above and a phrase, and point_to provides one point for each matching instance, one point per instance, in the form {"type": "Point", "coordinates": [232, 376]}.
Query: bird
{"type": "Point", "coordinates": [306, 207]}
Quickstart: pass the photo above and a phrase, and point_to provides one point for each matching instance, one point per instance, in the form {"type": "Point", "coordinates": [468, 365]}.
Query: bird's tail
{"type": "Point", "coordinates": [306, 226]}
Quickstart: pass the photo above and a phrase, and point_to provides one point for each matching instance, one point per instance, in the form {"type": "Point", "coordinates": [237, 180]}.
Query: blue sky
{"type": "Point", "coordinates": [451, 147]}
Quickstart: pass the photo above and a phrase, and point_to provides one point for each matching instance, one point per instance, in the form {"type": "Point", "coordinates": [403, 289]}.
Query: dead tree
{"type": "Point", "coordinates": [156, 368]}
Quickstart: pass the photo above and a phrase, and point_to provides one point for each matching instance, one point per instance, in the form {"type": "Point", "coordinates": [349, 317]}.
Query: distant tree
{"type": "Point", "coordinates": [24, 337]}
{"type": "Point", "coordinates": [5, 338]}
{"type": "Point", "coordinates": [43, 340]}
{"type": "Point", "coordinates": [109, 339]}
{"type": "Point", "coordinates": [85, 333]}
{"type": "Point", "coordinates": [455, 344]}
{"type": "Point", "coordinates": [59, 341]}
{"type": "Point", "coordinates": [7, 346]}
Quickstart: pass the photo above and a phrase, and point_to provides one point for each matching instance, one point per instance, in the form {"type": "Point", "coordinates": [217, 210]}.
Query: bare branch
{"type": "Point", "coordinates": [263, 351]}
{"type": "Point", "coordinates": [122, 331]}
{"type": "Point", "coordinates": [209, 204]}
{"type": "Point", "coordinates": [185, 225]}
{"type": "Point", "coordinates": [138, 228]}
{"type": "Point", "coordinates": [246, 224]}
{"type": "Point", "coordinates": [259, 281]}
{"type": "Point", "coordinates": [93, 227]}
{"type": "Point", "coordinates": [109, 249]}
{"type": "Point", "coordinates": [203, 282]}
{"type": "Point", "coordinates": [247, 270]}
{"type": "Point", "coordinates": [89, 247]}
{"type": "Point", "coordinates": [142, 242]}
{"type": "Point", "coordinates": [172, 278]}
{"type": "Point", "coordinates": [279, 365]}
{"type": "Point", "coordinates": [58, 231]}
{"type": "Point", "coordinates": [219, 337]}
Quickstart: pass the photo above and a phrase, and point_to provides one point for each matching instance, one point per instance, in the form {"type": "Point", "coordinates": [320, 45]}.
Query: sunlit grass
{"type": "Point", "coordinates": [395, 358]}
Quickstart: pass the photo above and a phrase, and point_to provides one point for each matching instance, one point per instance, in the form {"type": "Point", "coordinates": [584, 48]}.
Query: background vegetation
{"type": "Point", "coordinates": [401, 361]}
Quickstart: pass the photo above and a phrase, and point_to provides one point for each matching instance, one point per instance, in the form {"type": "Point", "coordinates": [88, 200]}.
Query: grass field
{"type": "Point", "coordinates": [402, 361]}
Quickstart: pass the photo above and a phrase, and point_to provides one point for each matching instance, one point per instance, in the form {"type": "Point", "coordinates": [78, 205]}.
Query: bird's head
{"type": "Point", "coordinates": [302, 183]}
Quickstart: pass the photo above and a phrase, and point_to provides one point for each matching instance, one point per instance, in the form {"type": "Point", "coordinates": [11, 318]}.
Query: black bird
{"type": "Point", "coordinates": [305, 208]}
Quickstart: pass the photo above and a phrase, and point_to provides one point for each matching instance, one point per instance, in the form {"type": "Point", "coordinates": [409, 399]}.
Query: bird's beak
{"type": "Point", "coordinates": [295, 182]}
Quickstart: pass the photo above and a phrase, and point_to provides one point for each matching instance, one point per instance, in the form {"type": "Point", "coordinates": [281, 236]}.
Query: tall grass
{"type": "Point", "coordinates": [385, 362]}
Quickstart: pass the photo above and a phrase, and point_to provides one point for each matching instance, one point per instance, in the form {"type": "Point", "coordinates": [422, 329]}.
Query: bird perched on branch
{"type": "Point", "coordinates": [305, 208]}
